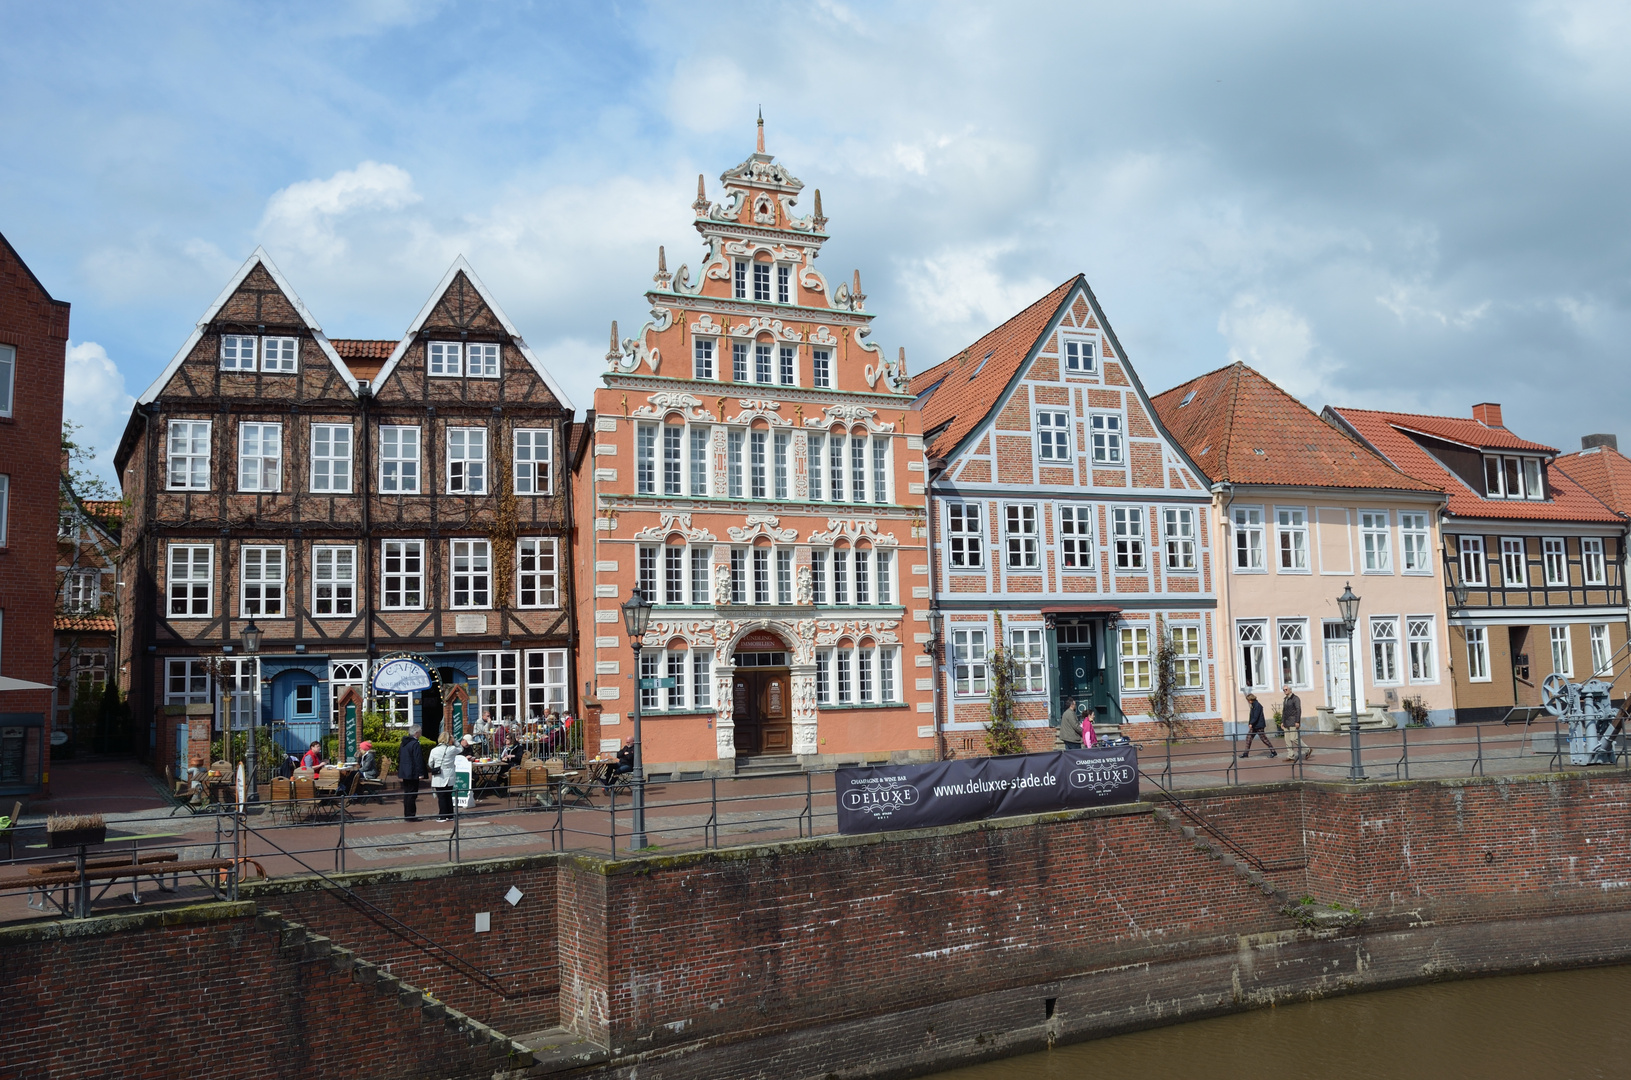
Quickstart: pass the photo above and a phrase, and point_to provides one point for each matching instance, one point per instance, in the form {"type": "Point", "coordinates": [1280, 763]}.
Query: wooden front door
{"type": "Point", "coordinates": [762, 710]}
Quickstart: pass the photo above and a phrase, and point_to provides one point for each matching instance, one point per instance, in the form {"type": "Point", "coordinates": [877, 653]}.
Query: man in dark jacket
{"type": "Point", "coordinates": [1256, 723]}
{"type": "Point", "coordinates": [410, 767]}
{"type": "Point", "coordinates": [1291, 718]}
{"type": "Point", "coordinates": [1070, 726]}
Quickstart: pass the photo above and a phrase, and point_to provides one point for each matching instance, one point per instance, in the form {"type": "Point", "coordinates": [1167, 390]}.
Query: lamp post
{"type": "Point", "coordinates": [251, 636]}
{"type": "Point", "coordinates": [1348, 604]}
{"type": "Point", "coordinates": [636, 614]}
{"type": "Point", "coordinates": [1460, 590]}
{"type": "Point", "coordinates": [932, 647]}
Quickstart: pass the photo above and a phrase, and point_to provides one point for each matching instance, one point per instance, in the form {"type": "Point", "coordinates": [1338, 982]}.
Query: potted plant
{"type": "Point", "coordinates": [72, 830]}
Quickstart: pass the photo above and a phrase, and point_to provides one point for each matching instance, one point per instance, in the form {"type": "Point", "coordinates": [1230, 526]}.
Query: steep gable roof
{"type": "Point", "coordinates": [1389, 434]}
{"type": "Point", "coordinates": [1241, 428]}
{"type": "Point", "coordinates": [461, 267]}
{"type": "Point", "coordinates": [1603, 471]}
{"type": "Point", "coordinates": [259, 257]}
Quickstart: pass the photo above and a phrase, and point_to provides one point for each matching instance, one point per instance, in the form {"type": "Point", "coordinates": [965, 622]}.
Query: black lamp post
{"type": "Point", "coordinates": [636, 615]}
{"type": "Point", "coordinates": [251, 637]}
{"type": "Point", "coordinates": [1460, 590]}
{"type": "Point", "coordinates": [932, 647]}
{"type": "Point", "coordinates": [1348, 604]}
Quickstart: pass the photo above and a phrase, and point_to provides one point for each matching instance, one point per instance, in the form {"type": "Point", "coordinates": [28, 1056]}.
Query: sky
{"type": "Point", "coordinates": [1403, 205]}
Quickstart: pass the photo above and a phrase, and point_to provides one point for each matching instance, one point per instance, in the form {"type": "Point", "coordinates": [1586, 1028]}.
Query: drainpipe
{"type": "Point", "coordinates": [933, 471]}
{"type": "Point", "coordinates": [365, 397]}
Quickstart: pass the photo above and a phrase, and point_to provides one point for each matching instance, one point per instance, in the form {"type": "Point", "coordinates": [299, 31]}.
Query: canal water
{"type": "Point", "coordinates": [1561, 1026]}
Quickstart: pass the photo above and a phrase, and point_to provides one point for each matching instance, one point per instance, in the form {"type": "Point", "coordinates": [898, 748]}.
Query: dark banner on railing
{"type": "Point", "coordinates": [887, 797]}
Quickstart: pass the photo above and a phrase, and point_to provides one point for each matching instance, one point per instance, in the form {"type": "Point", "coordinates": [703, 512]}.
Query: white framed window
{"type": "Point", "coordinates": [471, 580]}
{"type": "Point", "coordinates": [341, 674]}
{"type": "Point", "coordinates": [864, 675]}
{"type": "Point", "coordinates": [884, 562]}
{"type": "Point", "coordinates": [787, 365]}
{"type": "Point", "coordinates": [823, 677]}
{"type": "Point", "coordinates": [702, 357]}
{"type": "Point", "coordinates": [645, 579]}
{"type": "Point", "coordinates": [261, 576]}
{"type": "Point", "coordinates": [762, 353]}
{"type": "Point", "coordinates": [1513, 478]}
{"type": "Point", "coordinates": [331, 458]}
{"type": "Point", "coordinates": [1076, 537]}
{"type": "Point", "coordinates": [818, 577]}
{"type": "Point", "coordinates": [498, 693]}
{"type": "Point", "coordinates": [761, 282]}
{"type": "Point", "coordinates": [1127, 529]}
{"type": "Point", "coordinates": [1180, 538]}
{"type": "Point", "coordinates": [187, 681]}
{"type": "Point", "coordinates": [821, 368]}
{"type": "Point", "coordinates": [1591, 560]}
{"type": "Point", "coordinates": [702, 678]}
{"type": "Point", "coordinates": [863, 577]}
{"type": "Point", "coordinates": [784, 284]}
{"type": "Point", "coordinates": [1081, 355]}
{"type": "Point", "coordinates": [189, 455]}
{"type": "Point", "coordinates": [784, 577]}
{"type": "Point", "coordinates": [280, 355]}
{"type": "Point", "coordinates": [1053, 435]}
{"type": "Point", "coordinates": [880, 469]}
{"type": "Point", "coordinates": [761, 576]}
{"type": "Point", "coordinates": [781, 451]}
{"type": "Point", "coordinates": [699, 461]}
{"type": "Point", "coordinates": [1021, 536]}
{"type": "Point", "coordinates": [648, 671]}
{"type": "Point", "coordinates": [237, 352]}
{"type": "Point", "coordinates": [739, 361]}
{"type": "Point", "coordinates": [1417, 540]}
{"type": "Point", "coordinates": [1472, 559]}
{"type": "Point", "coordinates": [305, 699]}
{"type": "Point", "coordinates": [1423, 658]}
{"type": "Point", "coordinates": [965, 545]}
{"type": "Point", "coordinates": [190, 580]}
{"type": "Point", "coordinates": [739, 280]}
{"type": "Point", "coordinates": [1384, 648]}
{"type": "Point", "coordinates": [1562, 652]}
{"type": "Point", "coordinates": [757, 487]}
{"type": "Point", "coordinates": [81, 590]}
{"type": "Point", "coordinates": [1373, 533]}
{"type": "Point", "coordinates": [1249, 539]}
{"type": "Point", "coordinates": [534, 461]}
{"type": "Point", "coordinates": [399, 460]}
{"type": "Point", "coordinates": [970, 676]}
{"type": "Point", "coordinates": [481, 360]}
{"type": "Point", "coordinates": [840, 576]}
{"type": "Point", "coordinates": [1106, 429]}
{"type": "Point", "coordinates": [702, 590]}
{"type": "Point", "coordinates": [733, 463]}
{"type": "Point", "coordinates": [1554, 556]}
{"type": "Point", "coordinates": [8, 378]}
{"type": "Point", "coordinates": [1291, 537]}
{"type": "Point", "coordinates": [1186, 662]}
{"type": "Point", "coordinates": [645, 459]}
{"type": "Point", "coordinates": [1254, 655]}
{"type": "Point", "coordinates": [1602, 654]}
{"type": "Point", "coordinates": [887, 680]}
{"type": "Point", "coordinates": [333, 580]}
{"type": "Point", "coordinates": [444, 358]}
{"type": "Point", "coordinates": [1514, 562]}
{"type": "Point", "coordinates": [467, 461]}
{"type": "Point", "coordinates": [857, 470]}
{"type": "Point", "coordinates": [676, 671]}
{"type": "Point", "coordinates": [1477, 654]}
{"type": "Point", "coordinates": [536, 571]}
{"type": "Point", "coordinates": [846, 679]}
{"type": "Point", "coordinates": [1135, 658]}
{"type": "Point", "coordinates": [402, 574]}
{"type": "Point", "coordinates": [546, 681]}
{"type": "Point", "coordinates": [739, 575]}
{"type": "Point", "coordinates": [1293, 636]}
{"type": "Point", "coordinates": [5, 506]}
{"type": "Point", "coordinates": [835, 468]}
{"type": "Point", "coordinates": [260, 457]}
{"type": "Point", "coordinates": [673, 459]}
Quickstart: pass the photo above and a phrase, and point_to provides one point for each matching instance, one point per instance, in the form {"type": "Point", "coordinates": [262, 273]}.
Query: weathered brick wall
{"type": "Point", "coordinates": [205, 993]}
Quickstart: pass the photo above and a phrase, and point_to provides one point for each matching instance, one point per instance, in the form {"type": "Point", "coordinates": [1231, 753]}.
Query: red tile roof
{"type": "Point", "coordinates": [972, 382]}
{"type": "Point", "coordinates": [1240, 428]}
{"type": "Point", "coordinates": [363, 356]}
{"type": "Point", "coordinates": [100, 624]}
{"type": "Point", "coordinates": [1603, 471]}
{"type": "Point", "coordinates": [1469, 433]}
{"type": "Point", "coordinates": [1387, 433]}
{"type": "Point", "coordinates": [107, 509]}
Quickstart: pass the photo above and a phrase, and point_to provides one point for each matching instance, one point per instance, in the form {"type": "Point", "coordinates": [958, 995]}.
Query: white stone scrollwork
{"type": "Point", "coordinates": [769, 411]}
{"type": "Point", "coordinates": [732, 210]}
{"type": "Point", "coordinates": [853, 529]}
{"type": "Point", "coordinates": [765, 322]}
{"type": "Point", "coordinates": [722, 585]}
{"type": "Point", "coordinates": [849, 414]}
{"type": "Point", "coordinates": [664, 401]}
{"type": "Point", "coordinates": [695, 633]}
{"type": "Point", "coordinates": [761, 169]}
{"type": "Point", "coordinates": [801, 465]}
{"type": "Point", "coordinates": [715, 265]}
{"type": "Point", "coordinates": [880, 630]}
{"type": "Point", "coordinates": [806, 587]}
{"type": "Point", "coordinates": [726, 632]}
{"type": "Point", "coordinates": [764, 211]}
{"type": "Point", "coordinates": [636, 353]}
{"type": "Point", "coordinates": [673, 521]}
{"type": "Point", "coordinates": [812, 280]}
{"type": "Point", "coordinates": [705, 326]}
{"type": "Point", "coordinates": [682, 279]}
{"type": "Point", "coordinates": [823, 336]}
{"type": "Point", "coordinates": [758, 525]}
{"type": "Point", "coordinates": [802, 224]}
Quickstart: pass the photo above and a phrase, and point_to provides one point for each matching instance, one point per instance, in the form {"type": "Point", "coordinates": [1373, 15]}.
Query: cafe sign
{"type": "Point", "coordinates": [401, 676]}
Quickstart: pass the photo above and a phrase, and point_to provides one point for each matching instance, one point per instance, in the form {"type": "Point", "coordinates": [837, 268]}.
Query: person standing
{"type": "Point", "coordinates": [1256, 724]}
{"type": "Point", "coordinates": [411, 769]}
{"type": "Point", "coordinates": [443, 767]}
{"type": "Point", "coordinates": [1291, 718]}
{"type": "Point", "coordinates": [1070, 726]}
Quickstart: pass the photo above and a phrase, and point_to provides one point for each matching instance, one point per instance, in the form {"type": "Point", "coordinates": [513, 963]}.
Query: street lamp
{"type": "Point", "coordinates": [931, 647]}
{"type": "Point", "coordinates": [1348, 604]}
{"type": "Point", "coordinates": [636, 615]}
{"type": "Point", "coordinates": [251, 636]}
{"type": "Point", "coordinates": [1460, 590]}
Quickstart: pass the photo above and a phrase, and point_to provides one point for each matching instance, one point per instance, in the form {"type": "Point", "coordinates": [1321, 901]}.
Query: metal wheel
{"type": "Point", "coordinates": [1555, 691]}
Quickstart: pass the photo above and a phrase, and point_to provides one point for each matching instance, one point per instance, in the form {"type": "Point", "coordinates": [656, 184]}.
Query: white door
{"type": "Point", "coordinates": [1337, 671]}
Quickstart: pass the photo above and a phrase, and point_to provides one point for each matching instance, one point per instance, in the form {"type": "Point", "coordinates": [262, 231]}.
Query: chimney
{"type": "Point", "coordinates": [1589, 441]}
{"type": "Point", "coordinates": [1488, 414]}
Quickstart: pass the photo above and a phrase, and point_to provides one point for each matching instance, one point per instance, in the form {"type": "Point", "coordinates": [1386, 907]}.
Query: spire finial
{"type": "Point", "coordinates": [819, 218]}
{"type": "Point", "coordinates": [662, 261]}
{"type": "Point", "coordinates": [903, 361]}
{"type": "Point", "coordinates": [614, 352]}
{"type": "Point", "coordinates": [662, 277]}
{"type": "Point", "coordinates": [856, 296]}
{"type": "Point", "coordinates": [761, 129]}
{"type": "Point", "coordinates": [701, 205]}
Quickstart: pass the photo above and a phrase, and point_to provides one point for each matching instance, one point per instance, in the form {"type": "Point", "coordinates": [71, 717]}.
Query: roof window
{"type": "Point", "coordinates": [1513, 477]}
{"type": "Point", "coordinates": [981, 366]}
{"type": "Point", "coordinates": [1187, 399]}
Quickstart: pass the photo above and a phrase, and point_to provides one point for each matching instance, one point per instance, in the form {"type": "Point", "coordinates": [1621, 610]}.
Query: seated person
{"type": "Point", "coordinates": [511, 755]}
{"type": "Point", "coordinates": [367, 768]}
{"type": "Point", "coordinates": [287, 766]}
{"type": "Point", "coordinates": [621, 765]}
{"type": "Point", "coordinates": [195, 780]}
{"type": "Point", "coordinates": [313, 757]}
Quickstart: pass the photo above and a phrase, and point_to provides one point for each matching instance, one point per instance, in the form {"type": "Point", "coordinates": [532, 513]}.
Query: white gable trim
{"type": "Point", "coordinates": [259, 256]}
{"type": "Point", "coordinates": [436, 295]}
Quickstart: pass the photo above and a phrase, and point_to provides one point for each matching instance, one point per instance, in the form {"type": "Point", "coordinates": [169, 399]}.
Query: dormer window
{"type": "Point", "coordinates": [1513, 478]}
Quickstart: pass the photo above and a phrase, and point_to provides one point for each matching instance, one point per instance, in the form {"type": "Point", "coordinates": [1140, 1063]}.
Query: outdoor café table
{"type": "Point", "coordinates": [486, 774]}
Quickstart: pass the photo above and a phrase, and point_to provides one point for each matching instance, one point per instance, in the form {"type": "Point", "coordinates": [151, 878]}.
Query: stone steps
{"type": "Point", "coordinates": [556, 1050]}
{"type": "Point", "coordinates": [1203, 843]}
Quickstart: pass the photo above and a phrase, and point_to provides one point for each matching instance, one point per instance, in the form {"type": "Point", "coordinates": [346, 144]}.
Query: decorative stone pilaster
{"type": "Point", "coordinates": [724, 707]}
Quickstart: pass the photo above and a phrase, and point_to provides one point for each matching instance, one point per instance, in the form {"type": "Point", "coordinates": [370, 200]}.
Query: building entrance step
{"type": "Point", "coordinates": [557, 1050]}
{"type": "Point", "coordinates": [767, 763]}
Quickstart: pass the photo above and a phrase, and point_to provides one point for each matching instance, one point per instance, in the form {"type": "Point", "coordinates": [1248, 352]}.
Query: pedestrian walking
{"type": "Point", "coordinates": [1291, 718]}
{"type": "Point", "coordinates": [410, 768]}
{"type": "Point", "coordinates": [443, 767]}
{"type": "Point", "coordinates": [1257, 724]}
{"type": "Point", "coordinates": [1070, 726]}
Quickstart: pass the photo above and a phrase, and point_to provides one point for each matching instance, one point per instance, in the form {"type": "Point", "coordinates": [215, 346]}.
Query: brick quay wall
{"type": "Point", "coordinates": [900, 953]}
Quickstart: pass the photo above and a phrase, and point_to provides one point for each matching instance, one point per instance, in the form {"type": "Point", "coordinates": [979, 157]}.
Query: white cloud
{"type": "Point", "coordinates": [1278, 342]}
{"type": "Point", "coordinates": [305, 215]}
{"type": "Point", "coordinates": [95, 398]}
{"type": "Point", "coordinates": [963, 285]}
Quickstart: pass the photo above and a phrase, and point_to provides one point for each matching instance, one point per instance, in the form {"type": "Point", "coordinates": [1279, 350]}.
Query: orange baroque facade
{"type": "Point", "coordinates": [753, 465]}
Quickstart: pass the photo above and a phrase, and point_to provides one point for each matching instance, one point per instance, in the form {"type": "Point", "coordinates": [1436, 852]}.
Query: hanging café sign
{"type": "Point", "coordinates": [401, 676]}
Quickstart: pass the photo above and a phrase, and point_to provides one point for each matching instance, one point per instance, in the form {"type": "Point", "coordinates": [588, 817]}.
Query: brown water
{"type": "Point", "coordinates": [1559, 1026]}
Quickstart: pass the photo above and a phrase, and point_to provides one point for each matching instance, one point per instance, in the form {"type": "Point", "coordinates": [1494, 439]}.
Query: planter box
{"type": "Point", "coordinates": [74, 837]}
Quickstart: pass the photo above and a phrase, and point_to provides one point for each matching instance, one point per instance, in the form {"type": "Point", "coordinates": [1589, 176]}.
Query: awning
{"type": "Point", "coordinates": [21, 684]}
{"type": "Point", "coordinates": [1081, 609]}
